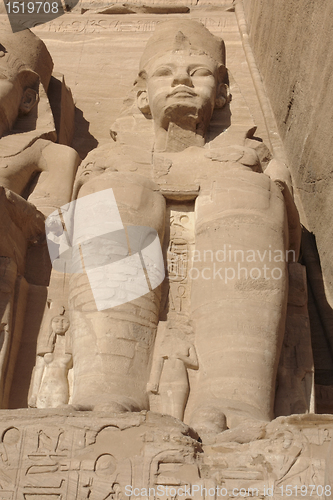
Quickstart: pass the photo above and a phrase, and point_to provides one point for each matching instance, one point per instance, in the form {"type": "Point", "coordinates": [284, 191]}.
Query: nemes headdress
{"type": "Point", "coordinates": [182, 34]}
{"type": "Point", "coordinates": [24, 51]}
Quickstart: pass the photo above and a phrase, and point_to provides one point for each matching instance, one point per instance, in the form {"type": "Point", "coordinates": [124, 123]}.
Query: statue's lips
{"type": "Point", "coordinates": [182, 92]}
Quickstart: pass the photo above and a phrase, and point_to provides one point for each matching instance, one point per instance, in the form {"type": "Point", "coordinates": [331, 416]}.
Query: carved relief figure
{"type": "Point", "coordinates": [182, 132]}
{"type": "Point", "coordinates": [172, 358]}
{"type": "Point", "coordinates": [50, 385]}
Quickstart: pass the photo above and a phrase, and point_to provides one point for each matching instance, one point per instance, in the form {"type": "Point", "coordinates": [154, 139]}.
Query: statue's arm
{"type": "Point", "coordinates": [190, 361]}
{"type": "Point", "coordinates": [279, 173]}
{"type": "Point", "coordinates": [17, 171]}
{"type": "Point", "coordinates": [54, 164]}
{"type": "Point", "coordinates": [58, 165]}
{"type": "Point", "coordinates": [36, 381]}
{"type": "Point", "coordinates": [155, 375]}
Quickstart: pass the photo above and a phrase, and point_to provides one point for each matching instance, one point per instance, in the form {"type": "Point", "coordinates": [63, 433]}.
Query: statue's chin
{"type": "Point", "coordinates": [182, 114]}
{"type": "Point", "coordinates": [188, 116]}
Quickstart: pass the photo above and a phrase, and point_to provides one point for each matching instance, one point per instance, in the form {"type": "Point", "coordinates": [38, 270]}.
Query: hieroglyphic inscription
{"type": "Point", "coordinates": [70, 456]}
{"type": "Point", "coordinates": [52, 463]}
{"type": "Point", "coordinates": [106, 23]}
{"type": "Point", "coordinates": [10, 447]}
{"type": "Point", "coordinates": [179, 246]}
{"type": "Point", "coordinates": [86, 458]}
{"type": "Point", "coordinates": [46, 461]}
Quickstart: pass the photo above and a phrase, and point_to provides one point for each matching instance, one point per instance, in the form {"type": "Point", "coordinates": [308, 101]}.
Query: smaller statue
{"type": "Point", "coordinates": [173, 356]}
{"type": "Point", "coordinates": [50, 385]}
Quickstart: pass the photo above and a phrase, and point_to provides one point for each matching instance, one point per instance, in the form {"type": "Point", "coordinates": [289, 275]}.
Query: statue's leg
{"type": "Point", "coordinates": [8, 270]}
{"type": "Point", "coordinates": [112, 348]}
{"type": "Point", "coordinates": [239, 294]}
{"type": "Point", "coordinates": [173, 395]}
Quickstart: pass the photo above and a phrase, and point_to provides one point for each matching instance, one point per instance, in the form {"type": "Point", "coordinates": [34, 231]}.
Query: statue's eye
{"type": "Point", "coordinates": [163, 71]}
{"type": "Point", "coordinates": [201, 72]}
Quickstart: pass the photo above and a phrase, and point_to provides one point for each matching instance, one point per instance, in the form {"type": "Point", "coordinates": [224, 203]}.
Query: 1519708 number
{"type": "Point", "coordinates": [310, 490]}
{"type": "Point", "coordinates": [32, 7]}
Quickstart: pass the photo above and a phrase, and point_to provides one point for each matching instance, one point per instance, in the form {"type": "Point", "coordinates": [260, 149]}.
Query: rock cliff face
{"type": "Point", "coordinates": [292, 43]}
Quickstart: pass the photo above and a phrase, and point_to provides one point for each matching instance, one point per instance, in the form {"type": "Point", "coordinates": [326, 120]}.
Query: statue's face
{"type": "Point", "coordinates": [10, 98]}
{"type": "Point", "coordinates": [182, 86]}
{"type": "Point", "coordinates": [60, 325]}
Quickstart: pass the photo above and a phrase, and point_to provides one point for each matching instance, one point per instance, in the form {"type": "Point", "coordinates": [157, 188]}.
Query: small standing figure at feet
{"type": "Point", "coordinates": [169, 378]}
{"type": "Point", "coordinates": [50, 385]}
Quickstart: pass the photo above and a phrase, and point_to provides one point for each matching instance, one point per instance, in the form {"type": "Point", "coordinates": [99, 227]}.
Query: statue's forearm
{"type": "Point", "coordinates": [156, 372]}
{"type": "Point", "coordinates": [36, 381]}
{"type": "Point", "coordinates": [279, 173]}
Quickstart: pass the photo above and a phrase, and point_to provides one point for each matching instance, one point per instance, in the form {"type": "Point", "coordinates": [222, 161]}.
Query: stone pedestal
{"type": "Point", "coordinates": [63, 454]}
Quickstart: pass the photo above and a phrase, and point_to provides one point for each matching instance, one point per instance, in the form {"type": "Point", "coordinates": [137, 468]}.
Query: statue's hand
{"type": "Point", "coordinates": [153, 388]}
{"type": "Point", "coordinates": [32, 403]}
{"type": "Point", "coordinates": [181, 356]}
{"type": "Point", "coordinates": [279, 173]}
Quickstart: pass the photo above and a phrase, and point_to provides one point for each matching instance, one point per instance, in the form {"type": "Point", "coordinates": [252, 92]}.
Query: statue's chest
{"type": "Point", "coordinates": [228, 184]}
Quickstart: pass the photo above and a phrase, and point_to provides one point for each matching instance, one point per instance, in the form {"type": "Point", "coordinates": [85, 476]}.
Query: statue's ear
{"type": "Point", "coordinates": [28, 101]}
{"type": "Point", "coordinates": [142, 101]}
{"type": "Point", "coordinates": [222, 95]}
{"type": "Point", "coordinates": [222, 92]}
{"type": "Point", "coordinates": [29, 81]}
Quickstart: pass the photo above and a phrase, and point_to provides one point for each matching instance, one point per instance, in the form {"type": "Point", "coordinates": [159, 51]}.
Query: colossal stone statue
{"type": "Point", "coordinates": [31, 165]}
{"type": "Point", "coordinates": [203, 346]}
{"type": "Point", "coordinates": [179, 142]}
{"type": "Point", "coordinates": [33, 170]}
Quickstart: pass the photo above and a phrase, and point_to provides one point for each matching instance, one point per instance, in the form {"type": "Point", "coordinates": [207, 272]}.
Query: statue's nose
{"type": "Point", "coordinates": [182, 78]}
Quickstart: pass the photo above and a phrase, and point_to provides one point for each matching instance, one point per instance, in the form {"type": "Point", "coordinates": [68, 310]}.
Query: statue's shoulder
{"type": "Point", "coordinates": [96, 163]}
{"type": "Point", "coordinates": [101, 157]}
{"type": "Point", "coordinates": [244, 150]}
{"type": "Point", "coordinates": [114, 157]}
{"type": "Point", "coordinates": [234, 154]}
{"type": "Point", "coordinates": [39, 149]}
{"type": "Point", "coordinates": [58, 156]}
